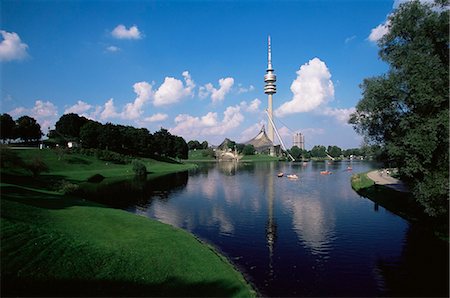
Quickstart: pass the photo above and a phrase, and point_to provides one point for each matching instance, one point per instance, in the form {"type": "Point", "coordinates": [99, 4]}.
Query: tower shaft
{"type": "Point", "coordinates": [270, 88]}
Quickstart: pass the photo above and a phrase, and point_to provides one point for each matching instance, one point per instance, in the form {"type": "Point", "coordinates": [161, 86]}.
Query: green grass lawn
{"type": "Point", "coordinates": [56, 245]}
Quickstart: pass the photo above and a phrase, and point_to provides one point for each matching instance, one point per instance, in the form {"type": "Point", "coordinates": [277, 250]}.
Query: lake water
{"type": "Point", "coordinates": [313, 236]}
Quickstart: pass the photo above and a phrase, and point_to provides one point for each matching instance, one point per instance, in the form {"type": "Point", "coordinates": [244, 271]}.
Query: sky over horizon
{"type": "Point", "coordinates": [193, 67]}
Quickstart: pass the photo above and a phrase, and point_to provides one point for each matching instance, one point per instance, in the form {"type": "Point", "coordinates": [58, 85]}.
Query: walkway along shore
{"type": "Point", "coordinates": [381, 177]}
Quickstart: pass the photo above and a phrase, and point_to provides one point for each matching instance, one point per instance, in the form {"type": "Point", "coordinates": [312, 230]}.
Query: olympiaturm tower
{"type": "Point", "coordinates": [270, 88]}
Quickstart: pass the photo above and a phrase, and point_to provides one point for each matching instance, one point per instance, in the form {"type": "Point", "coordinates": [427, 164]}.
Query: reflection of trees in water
{"type": "Point", "coordinates": [421, 271]}
{"type": "Point", "coordinates": [138, 191]}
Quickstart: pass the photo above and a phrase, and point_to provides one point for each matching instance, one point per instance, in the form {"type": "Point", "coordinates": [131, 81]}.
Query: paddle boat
{"type": "Point", "coordinates": [292, 176]}
{"type": "Point", "coordinates": [281, 174]}
{"type": "Point", "coordinates": [325, 173]}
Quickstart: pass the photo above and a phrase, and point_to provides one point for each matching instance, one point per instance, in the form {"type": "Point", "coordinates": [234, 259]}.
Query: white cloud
{"type": "Point", "coordinates": [79, 108]}
{"type": "Point", "coordinates": [311, 89]}
{"type": "Point", "coordinates": [250, 132]}
{"type": "Point", "coordinates": [109, 110]}
{"type": "Point", "coordinates": [173, 90]}
{"type": "Point", "coordinates": [378, 32]}
{"type": "Point", "coordinates": [192, 127]}
{"type": "Point", "coordinates": [156, 117]}
{"type": "Point", "coordinates": [133, 110]}
{"type": "Point", "coordinates": [121, 32]}
{"type": "Point", "coordinates": [245, 90]}
{"type": "Point", "coordinates": [113, 49]}
{"type": "Point", "coordinates": [45, 113]}
{"type": "Point", "coordinates": [252, 107]}
{"type": "Point", "coordinates": [341, 115]}
{"type": "Point", "coordinates": [349, 39]}
{"type": "Point", "coordinates": [217, 94]}
{"type": "Point", "coordinates": [11, 47]}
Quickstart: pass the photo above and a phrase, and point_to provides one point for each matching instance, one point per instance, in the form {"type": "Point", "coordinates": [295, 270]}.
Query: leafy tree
{"type": "Point", "coordinates": [28, 129]}
{"type": "Point", "coordinates": [194, 144]}
{"type": "Point", "coordinates": [69, 126]}
{"type": "Point", "coordinates": [205, 145]}
{"type": "Point", "coordinates": [296, 152]}
{"type": "Point", "coordinates": [240, 147]}
{"type": "Point", "coordinates": [319, 151]}
{"type": "Point", "coordinates": [334, 151]}
{"type": "Point", "coordinates": [89, 134]}
{"type": "Point", "coordinates": [406, 110]}
{"type": "Point", "coordinates": [7, 126]}
{"type": "Point", "coordinates": [248, 150]}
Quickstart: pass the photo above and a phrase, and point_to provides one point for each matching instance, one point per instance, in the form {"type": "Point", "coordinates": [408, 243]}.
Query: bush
{"type": "Point", "coordinates": [68, 188]}
{"type": "Point", "coordinates": [97, 178]}
{"type": "Point", "coordinates": [139, 168]}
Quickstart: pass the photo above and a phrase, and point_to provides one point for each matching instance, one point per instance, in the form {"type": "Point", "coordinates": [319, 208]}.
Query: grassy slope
{"type": "Point", "coordinates": [58, 245]}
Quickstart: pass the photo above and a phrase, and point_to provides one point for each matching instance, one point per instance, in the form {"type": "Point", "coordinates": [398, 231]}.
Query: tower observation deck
{"type": "Point", "coordinates": [270, 88]}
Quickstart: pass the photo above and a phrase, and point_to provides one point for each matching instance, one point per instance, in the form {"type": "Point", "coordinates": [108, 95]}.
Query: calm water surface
{"type": "Point", "coordinates": [308, 237]}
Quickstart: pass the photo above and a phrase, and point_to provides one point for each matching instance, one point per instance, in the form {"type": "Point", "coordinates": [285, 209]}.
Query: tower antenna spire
{"type": "Point", "coordinates": [269, 55]}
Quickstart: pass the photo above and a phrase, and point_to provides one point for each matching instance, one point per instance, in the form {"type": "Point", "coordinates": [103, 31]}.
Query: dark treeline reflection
{"type": "Point", "coordinates": [138, 191]}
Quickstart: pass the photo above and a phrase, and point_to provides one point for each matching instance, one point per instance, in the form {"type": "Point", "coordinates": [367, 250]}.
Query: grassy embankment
{"type": "Point", "coordinates": [57, 245]}
{"type": "Point", "coordinates": [400, 203]}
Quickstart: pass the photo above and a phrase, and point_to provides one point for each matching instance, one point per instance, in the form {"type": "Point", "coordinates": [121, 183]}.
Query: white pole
{"type": "Point", "coordinates": [278, 135]}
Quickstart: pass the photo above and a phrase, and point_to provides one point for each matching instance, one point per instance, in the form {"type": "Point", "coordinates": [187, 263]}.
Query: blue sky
{"type": "Point", "coordinates": [193, 67]}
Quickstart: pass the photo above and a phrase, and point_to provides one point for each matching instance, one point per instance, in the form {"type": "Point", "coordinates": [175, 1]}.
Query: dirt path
{"type": "Point", "coordinates": [382, 178]}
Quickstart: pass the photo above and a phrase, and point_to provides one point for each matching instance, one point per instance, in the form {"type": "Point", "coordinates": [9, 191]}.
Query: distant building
{"type": "Point", "coordinates": [299, 141]}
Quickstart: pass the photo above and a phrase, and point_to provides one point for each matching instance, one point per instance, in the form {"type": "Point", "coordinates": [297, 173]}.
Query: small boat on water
{"type": "Point", "coordinates": [325, 173]}
{"type": "Point", "coordinates": [349, 168]}
{"type": "Point", "coordinates": [281, 174]}
{"type": "Point", "coordinates": [292, 176]}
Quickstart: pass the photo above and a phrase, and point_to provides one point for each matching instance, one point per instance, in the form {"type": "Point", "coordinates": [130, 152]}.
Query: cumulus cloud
{"type": "Point", "coordinates": [109, 110]}
{"type": "Point", "coordinates": [80, 108]}
{"type": "Point", "coordinates": [244, 89]}
{"type": "Point", "coordinates": [311, 89]}
{"type": "Point", "coordinates": [121, 32]}
{"type": "Point", "coordinates": [133, 110]}
{"type": "Point", "coordinates": [192, 127]}
{"type": "Point", "coordinates": [252, 107]}
{"type": "Point", "coordinates": [173, 90]}
{"type": "Point", "coordinates": [11, 47]}
{"type": "Point", "coordinates": [156, 117]}
{"type": "Point", "coordinates": [341, 115]}
{"type": "Point", "coordinates": [225, 85]}
{"type": "Point", "coordinates": [45, 113]}
{"type": "Point", "coordinates": [379, 31]}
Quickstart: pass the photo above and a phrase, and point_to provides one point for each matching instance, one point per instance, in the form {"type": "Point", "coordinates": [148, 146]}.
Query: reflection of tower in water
{"type": "Point", "coordinates": [271, 226]}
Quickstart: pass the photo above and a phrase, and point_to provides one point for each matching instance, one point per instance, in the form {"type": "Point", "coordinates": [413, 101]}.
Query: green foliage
{"type": "Point", "coordinates": [9, 158]}
{"type": "Point", "coordinates": [208, 153]}
{"type": "Point", "coordinates": [28, 129]}
{"type": "Point", "coordinates": [68, 188]}
{"type": "Point", "coordinates": [319, 151]}
{"type": "Point", "coordinates": [69, 126]}
{"type": "Point", "coordinates": [406, 110]}
{"type": "Point", "coordinates": [96, 178]}
{"type": "Point", "coordinates": [7, 127]}
{"type": "Point", "coordinates": [248, 150]}
{"type": "Point", "coordinates": [139, 168]}
{"type": "Point", "coordinates": [334, 151]}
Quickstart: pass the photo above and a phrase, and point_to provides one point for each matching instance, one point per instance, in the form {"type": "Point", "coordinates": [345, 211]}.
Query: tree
{"type": "Point", "coordinates": [89, 134]}
{"type": "Point", "coordinates": [249, 149]}
{"type": "Point", "coordinates": [7, 126]}
{"type": "Point", "coordinates": [194, 144]}
{"type": "Point", "coordinates": [69, 126]}
{"type": "Point", "coordinates": [296, 152]}
{"type": "Point", "coordinates": [28, 129]}
{"type": "Point", "coordinates": [334, 151]}
{"type": "Point", "coordinates": [319, 151]}
{"type": "Point", "coordinates": [204, 145]}
{"type": "Point", "coordinates": [406, 110]}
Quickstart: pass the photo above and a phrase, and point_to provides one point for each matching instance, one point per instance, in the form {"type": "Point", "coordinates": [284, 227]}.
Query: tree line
{"type": "Point", "coordinates": [122, 139]}
{"type": "Point", "coordinates": [24, 128]}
